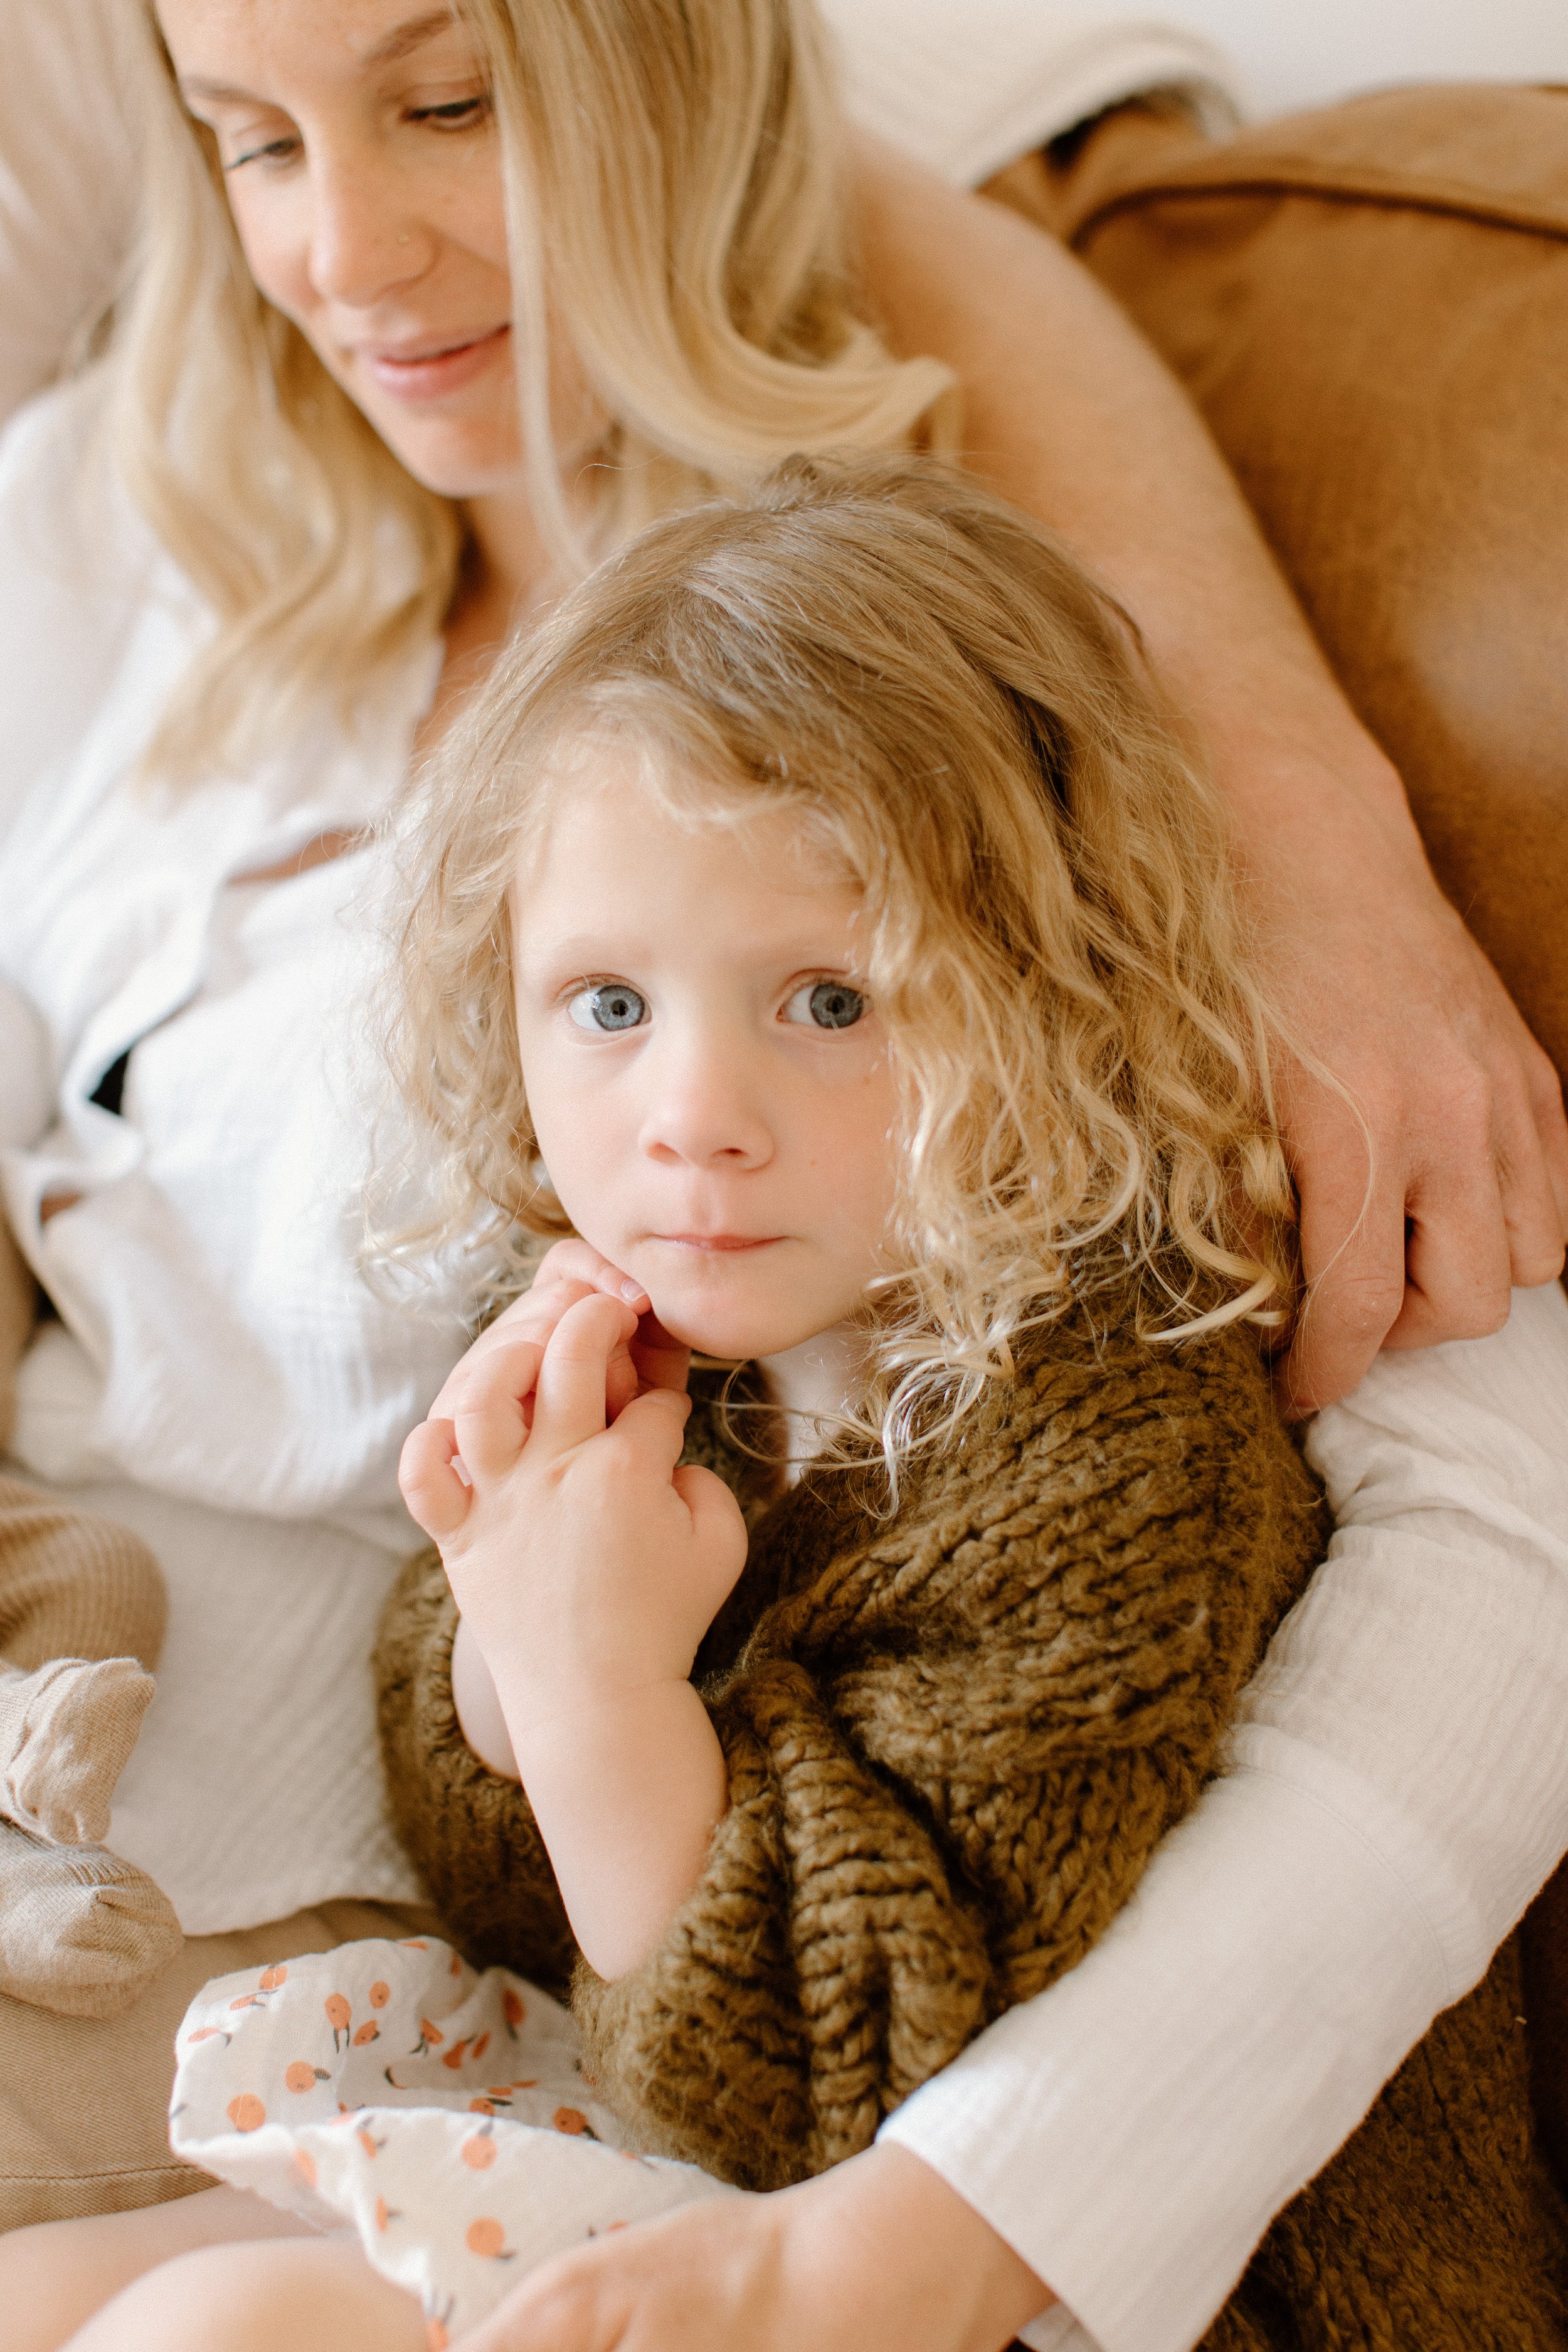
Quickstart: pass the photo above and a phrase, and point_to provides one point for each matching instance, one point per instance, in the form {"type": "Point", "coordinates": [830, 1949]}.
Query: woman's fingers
{"type": "Point", "coordinates": [571, 1393]}
{"type": "Point", "coordinates": [1530, 1142]}
{"type": "Point", "coordinates": [436, 1495]}
{"type": "Point", "coordinates": [487, 1408]}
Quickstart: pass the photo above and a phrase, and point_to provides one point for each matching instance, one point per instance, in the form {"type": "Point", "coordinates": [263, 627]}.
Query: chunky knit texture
{"type": "Point", "coordinates": [955, 1738]}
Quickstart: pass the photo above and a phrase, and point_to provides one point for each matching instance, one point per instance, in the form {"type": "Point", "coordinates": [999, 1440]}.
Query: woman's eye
{"type": "Point", "coordinates": [608, 1004]}
{"type": "Point", "coordinates": [276, 151]}
{"type": "Point", "coordinates": [830, 1004]}
{"type": "Point", "coordinates": [453, 113]}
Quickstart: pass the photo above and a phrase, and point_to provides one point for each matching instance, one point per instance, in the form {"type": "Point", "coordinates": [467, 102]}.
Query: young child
{"type": "Point", "coordinates": [81, 1621]}
{"type": "Point", "coordinates": [825, 928]}
{"type": "Point", "coordinates": [852, 1546]}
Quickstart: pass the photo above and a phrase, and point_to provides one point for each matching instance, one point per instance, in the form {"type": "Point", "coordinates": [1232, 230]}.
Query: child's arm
{"type": "Point", "coordinates": [588, 1567]}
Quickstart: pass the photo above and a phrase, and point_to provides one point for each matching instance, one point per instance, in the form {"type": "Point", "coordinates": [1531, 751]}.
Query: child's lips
{"type": "Point", "coordinates": [720, 1244]}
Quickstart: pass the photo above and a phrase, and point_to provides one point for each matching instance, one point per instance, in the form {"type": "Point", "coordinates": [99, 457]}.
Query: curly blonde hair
{"type": "Point", "coordinates": [671, 173]}
{"type": "Point", "coordinates": [962, 722]}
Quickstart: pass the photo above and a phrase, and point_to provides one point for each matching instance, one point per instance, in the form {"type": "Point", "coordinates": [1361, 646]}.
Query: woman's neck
{"type": "Point", "coordinates": [509, 566]}
{"type": "Point", "coordinates": [506, 572]}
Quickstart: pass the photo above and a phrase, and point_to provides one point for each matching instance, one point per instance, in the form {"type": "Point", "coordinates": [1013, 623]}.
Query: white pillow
{"type": "Point", "coordinates": [67, 183]}
{"type": "Point", "coordinates": [968, 86]}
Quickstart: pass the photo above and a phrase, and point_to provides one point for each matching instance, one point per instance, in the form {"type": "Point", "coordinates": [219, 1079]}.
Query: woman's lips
{"type": "Point", "coordinates": [432, 374]}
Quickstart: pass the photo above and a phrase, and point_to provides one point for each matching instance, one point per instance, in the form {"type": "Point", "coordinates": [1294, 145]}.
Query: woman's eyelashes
{"type": "Point", "coordinates": [827, 1004]}
{"type": "Point", "coordinates": [455, 113]}
{"type": "Point", "coordinates": [471, 112]}
{"type": "Point", "coordinates": [280, 149]}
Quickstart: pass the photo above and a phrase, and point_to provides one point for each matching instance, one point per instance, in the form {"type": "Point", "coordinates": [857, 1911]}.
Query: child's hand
{"type": "Point", "coordinates": [588, 1561]}
{"type": "Point", "coordinates": [571, 1271]}
{"type": "Point", "coordinates": [588, 1565]}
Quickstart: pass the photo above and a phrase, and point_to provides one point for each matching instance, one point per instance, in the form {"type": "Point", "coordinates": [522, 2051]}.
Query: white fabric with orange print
{"type": "Point", "coordinates": [388, 2090]}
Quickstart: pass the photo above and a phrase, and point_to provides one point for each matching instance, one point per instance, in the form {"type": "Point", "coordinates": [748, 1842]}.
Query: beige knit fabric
{"type": "Point", "coordinates": [954, 1739]}
{"type": "Point", "coordinates": [82, 1612]}
{"type": "Point", "coordinates": [18, 1312]}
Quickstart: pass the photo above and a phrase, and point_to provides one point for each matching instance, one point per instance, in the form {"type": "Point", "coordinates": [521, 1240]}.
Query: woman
{"type": "Point", "coordinates": [218, 1356]}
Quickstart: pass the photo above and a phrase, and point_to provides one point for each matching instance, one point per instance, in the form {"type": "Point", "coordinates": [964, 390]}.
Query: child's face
{"type": "Point", "coordinates": [709, 1090]}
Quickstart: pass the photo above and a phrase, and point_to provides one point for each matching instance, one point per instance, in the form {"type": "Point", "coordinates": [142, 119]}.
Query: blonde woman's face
{"type": "Point", "coordinates": [363, 173]}
{"type": "Point", "coordinates": [708, 1079]}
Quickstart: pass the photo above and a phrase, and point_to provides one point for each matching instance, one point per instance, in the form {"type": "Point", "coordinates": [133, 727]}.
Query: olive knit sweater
{"type": "Point", "coordinates": [956, 1737]}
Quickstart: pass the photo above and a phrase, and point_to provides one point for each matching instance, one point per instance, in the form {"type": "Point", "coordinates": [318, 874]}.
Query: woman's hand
{"type": "Point", "coordinates": [588, 1564]}
{"type": "Point", "coordinates": [1068, 412]}
{"type": "Point", "coordinates": [1446, 1186]}
{"type": "Point", "coordinates": [878, 2255]}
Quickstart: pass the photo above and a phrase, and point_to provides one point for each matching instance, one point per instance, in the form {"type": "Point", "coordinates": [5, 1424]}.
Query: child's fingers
{"type": "Point", "coordinates": [578, 1261]}
{"type": "Point", "coordinates": [571, 1271]}
{"type": "Point", "coordinates": [487, 1411]}
{"type": "Point", "coordinates": [651, 1432]}
{"type": "Point", "coordinates": [661, 1362]}
{"type": "Point", "coordinates": [433, 1490]}
{"type": "Point", "coordinates": [621, 1383]}
{"type": "Point", "coordinates": [718, 1529]}
{"type": "Point", "coordinates": [570, 1399]}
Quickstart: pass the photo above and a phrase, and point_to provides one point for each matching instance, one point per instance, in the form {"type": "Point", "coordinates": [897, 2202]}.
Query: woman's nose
{"type": "Point", "coordinates": [363, 245]}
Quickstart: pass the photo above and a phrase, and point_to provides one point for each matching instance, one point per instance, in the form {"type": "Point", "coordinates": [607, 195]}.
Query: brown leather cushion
{"type": "Point", "coordinates": [1370, 306]}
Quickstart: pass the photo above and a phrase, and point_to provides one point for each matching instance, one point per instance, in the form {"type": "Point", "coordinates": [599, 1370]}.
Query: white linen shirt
{"type": "Point", "coordinates": [223, 1376]}
{"type": "Point", "coordinates": [224, 1380]}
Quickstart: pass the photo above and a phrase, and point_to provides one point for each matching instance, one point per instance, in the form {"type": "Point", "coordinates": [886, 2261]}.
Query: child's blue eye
{"type": "Point", "coordinates": [830, 1004]}
{"type": "Point", "coordinates": [608, 1004]}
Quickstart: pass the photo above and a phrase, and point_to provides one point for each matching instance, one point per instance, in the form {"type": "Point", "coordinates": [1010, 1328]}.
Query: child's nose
{"type": "Point", "coordinates": [704, 1113]}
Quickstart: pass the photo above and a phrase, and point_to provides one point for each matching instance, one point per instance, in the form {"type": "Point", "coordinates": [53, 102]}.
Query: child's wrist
{"type": "Point", "coordinates": [582, 1712]}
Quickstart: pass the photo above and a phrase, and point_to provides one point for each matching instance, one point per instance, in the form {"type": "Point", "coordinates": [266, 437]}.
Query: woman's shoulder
{"type": "Point", "coordinates": [63, 505]}
{"type": "Point", "coordinates": [95, 620]}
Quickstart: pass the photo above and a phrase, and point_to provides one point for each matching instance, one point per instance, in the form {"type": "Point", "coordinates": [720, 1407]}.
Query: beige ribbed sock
{"type": "Point", "coordinates": [81, 1932]}
{"type": "Point", "coordinates": [82, 1609]}
{"type": "Point", "coordinates": [66, 1735]}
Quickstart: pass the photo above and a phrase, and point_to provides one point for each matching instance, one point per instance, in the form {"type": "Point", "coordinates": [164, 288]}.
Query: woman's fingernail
{"type": "Point", "coordinates": [632, 1292]}
{"type": "Point", "coordinates": [461, 1467]}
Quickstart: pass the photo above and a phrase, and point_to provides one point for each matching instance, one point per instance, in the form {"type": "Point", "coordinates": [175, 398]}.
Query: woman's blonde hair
{"type": "Point", "coordinates": [673, 179]}
{"type": "Point", "coordinates": [955, 716]}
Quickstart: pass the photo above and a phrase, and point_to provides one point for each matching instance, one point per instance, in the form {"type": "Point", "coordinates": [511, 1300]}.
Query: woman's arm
{"type": "Point", "coordinates": [1399, 1790]}
{"type": "Point", "coordinates": [1068, 412]}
